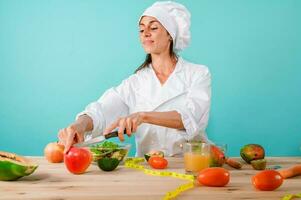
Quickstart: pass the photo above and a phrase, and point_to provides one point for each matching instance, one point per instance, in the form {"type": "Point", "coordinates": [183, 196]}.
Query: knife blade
{"type": "Point", "coordinates": [98, 139]}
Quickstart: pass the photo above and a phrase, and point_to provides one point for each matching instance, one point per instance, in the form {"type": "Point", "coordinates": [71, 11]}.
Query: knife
{"type": "Point", "coordinates": [98, 139]}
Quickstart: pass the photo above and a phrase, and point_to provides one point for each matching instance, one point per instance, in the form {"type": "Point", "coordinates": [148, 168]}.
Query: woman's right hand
{"type": "Point", "coordinates": [70, 135]}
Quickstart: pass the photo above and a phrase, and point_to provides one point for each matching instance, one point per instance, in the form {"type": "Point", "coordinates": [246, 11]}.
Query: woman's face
{"type": "Point", "coordinates": [153, 36]}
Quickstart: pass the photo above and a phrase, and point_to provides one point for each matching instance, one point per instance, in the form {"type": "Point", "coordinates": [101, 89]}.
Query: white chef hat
{"type": "Point", "coordinates": [176, 20]}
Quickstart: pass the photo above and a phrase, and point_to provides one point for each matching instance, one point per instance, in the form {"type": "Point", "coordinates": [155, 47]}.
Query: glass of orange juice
{"type": "Point", "coordinates": [196, 157]}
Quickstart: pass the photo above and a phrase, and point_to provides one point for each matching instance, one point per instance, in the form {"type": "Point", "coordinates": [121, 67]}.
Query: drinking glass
{"type": "Point", "coordinates": [196, 157]}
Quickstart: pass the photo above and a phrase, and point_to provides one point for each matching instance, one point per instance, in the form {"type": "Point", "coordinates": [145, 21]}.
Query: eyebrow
{"type": "Point", "coordinates": [149, 22]}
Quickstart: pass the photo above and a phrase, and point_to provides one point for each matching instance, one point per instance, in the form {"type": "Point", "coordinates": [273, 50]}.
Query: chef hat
{"type": "Point", "coordinates": [176, 20]}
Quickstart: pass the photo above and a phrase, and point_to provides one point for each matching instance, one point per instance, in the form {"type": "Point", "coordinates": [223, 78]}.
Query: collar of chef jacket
{"type": "Point", "coordinates": [156, 95]}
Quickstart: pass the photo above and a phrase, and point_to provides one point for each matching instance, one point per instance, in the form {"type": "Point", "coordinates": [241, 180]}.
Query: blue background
{"type": "Point", "coordinates": [57, 56]}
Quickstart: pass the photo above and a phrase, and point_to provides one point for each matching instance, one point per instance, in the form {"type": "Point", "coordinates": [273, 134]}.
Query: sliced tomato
{"type": "Point", "coordinates": [214, 177]}
{"type": "Point", "coordinates": [157, 162]}
{"type": "Point", "coordinates": [267, 180]}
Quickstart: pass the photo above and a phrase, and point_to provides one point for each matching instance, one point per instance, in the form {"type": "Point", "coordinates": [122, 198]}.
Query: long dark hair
{"type": "Point", "coordinates": [148, 58]}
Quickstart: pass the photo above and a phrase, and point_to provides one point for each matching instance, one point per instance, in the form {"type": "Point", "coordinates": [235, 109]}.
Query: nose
{"type": "Point", "coordinates": [146, 33]}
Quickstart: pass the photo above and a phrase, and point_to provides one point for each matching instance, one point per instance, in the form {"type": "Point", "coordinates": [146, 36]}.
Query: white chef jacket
{"type": "Point", "coordinates": [187, 91]}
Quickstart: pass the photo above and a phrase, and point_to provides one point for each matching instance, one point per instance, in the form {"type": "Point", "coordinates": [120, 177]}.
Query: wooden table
{"type": "Point", "coordinates": [54, 182]}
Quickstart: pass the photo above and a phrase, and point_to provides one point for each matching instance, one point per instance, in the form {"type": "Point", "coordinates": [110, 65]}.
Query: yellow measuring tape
{"type": "Point", "coordinates": [291, 196]}
{"type": "Point", "coordinates": [134, 164]}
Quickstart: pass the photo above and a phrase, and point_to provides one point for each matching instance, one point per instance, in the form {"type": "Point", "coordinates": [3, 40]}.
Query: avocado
{"type": "Point", "coordinates": [108, 164]}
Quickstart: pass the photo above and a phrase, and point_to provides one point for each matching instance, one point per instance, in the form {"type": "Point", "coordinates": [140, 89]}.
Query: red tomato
{"type": "Point", "coordinates": [214, 177]}
{"type": "Point", "coordinates": [77, 160]}
{"type": "Point", "coordinates": [54, 152]}
{"type": "Point", "coordinates": [267, 180]}
{"type": "Point", "coordinates": [157, 162]}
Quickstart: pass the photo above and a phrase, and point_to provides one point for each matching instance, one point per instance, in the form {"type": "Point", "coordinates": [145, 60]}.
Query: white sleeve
{"type": "Point", "coordinates": [195, 111]}
{"type": "Point", "coordinates": [108, 108]}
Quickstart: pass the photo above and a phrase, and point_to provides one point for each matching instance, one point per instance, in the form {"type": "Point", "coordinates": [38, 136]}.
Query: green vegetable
{"type": "Point", "coordinates": [105, 147]}
{"type": "Point", "coordinates": [108, 164]}
{"type": "Point", "coordinates": [109, 145]}
{"type": "Point", "coordinates": [108, 149]}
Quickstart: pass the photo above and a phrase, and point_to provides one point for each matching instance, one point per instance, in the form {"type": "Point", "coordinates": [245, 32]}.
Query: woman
{"type": "Point", "coordinates": [165, 103]}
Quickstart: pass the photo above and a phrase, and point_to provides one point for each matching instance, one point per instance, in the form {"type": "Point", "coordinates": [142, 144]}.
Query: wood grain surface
{"type": "Point", "coordinates": [54, 182]}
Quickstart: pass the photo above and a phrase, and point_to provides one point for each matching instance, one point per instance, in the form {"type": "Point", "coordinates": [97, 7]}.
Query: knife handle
{"type": "Point", "coordinates": [113, 134]}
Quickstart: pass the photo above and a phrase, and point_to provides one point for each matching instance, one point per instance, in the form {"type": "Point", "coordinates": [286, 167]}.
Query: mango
{"type": "Point", "coordinates": [259, 164]}
{"type": "Point", "coordinates": [217, 158]}
{"type": "Point", "coordinates": [251, 152]}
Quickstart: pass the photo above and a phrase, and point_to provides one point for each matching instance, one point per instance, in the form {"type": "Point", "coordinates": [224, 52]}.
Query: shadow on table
{"type": "Point", "coordinates": [34, 177]}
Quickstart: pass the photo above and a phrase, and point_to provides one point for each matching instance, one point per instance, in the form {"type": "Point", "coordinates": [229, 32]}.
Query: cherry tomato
{"type": "Point", "coordinates": [267, 180]}
{"type": "Point", "coordinates": [77, 160]}
{"type": "Point", "coordinates": [157, 162]}
{"type": "Point", "coordinates": [214, 177]}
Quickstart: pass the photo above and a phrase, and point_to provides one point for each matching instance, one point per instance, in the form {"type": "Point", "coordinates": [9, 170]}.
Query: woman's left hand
{"type": "Point", "coordinates": [129, 123]}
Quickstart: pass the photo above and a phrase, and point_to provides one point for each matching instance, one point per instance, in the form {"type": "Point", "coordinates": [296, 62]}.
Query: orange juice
{"type": "Point", "coordinates": [195, 162]}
